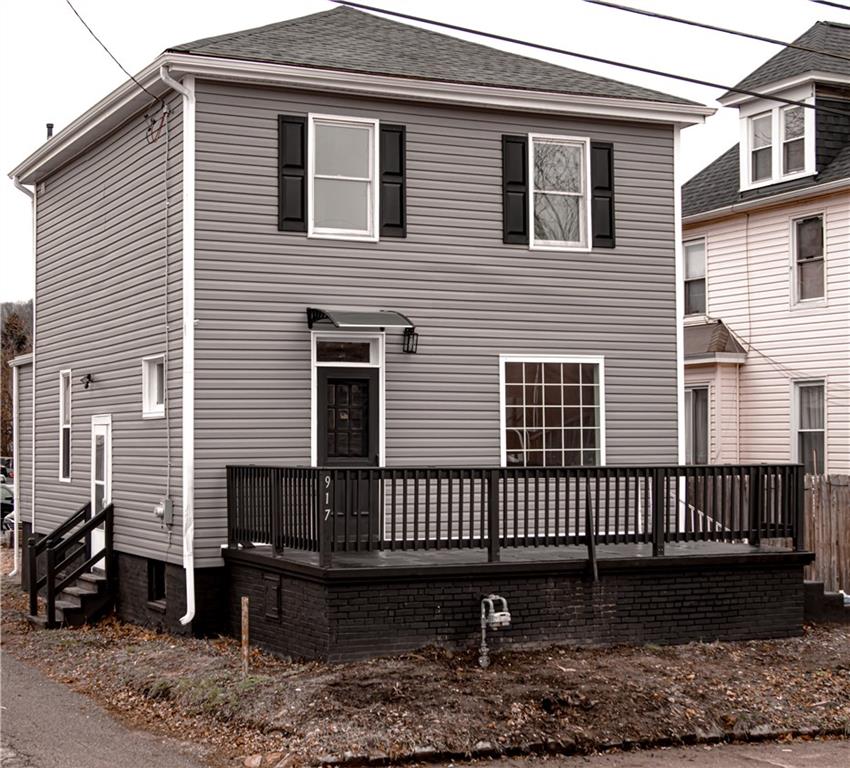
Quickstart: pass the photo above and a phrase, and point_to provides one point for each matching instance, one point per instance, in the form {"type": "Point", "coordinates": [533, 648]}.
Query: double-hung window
{"type": "Point", "coordinates": [342, 177]}
{"type": "Point", "coordinates": [695, 277]}
{"type": "Point", "coordinates": [696, 425]}
{"type": "Point", "coordinates": [558, 201]}
{"type": "Point", "coordinates": [65, 425]}
{"type": "Point", "coordinates": [810, 426]}
{"type": "Point", "coordinates": [808, 258]}
{"type": "Point", "coordinates": [761, 144]}
{"type": "Point", "coordinates": [153, 387]}
{"type": "Point", "coordinates": [793, 140]}
{"type": "Point", "coordinates": [553, 413]}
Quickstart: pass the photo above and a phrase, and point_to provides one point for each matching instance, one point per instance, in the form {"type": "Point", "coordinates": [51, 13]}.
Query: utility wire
{"type": "Point", "coordinates": [589, 57]}
{"type": "Point", "coordinates": [712, 27]}
{"type": "Point", "coordinates": [842, 6]}
{"type": "Point", "coordinates": [91, 32]}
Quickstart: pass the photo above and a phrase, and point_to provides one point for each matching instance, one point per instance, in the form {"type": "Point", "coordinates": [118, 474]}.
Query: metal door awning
{"type": "Point", "coordinates": [353, 319]}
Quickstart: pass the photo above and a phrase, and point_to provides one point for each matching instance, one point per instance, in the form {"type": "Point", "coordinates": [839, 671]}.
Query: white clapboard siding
{"type": "Point", "coordinates": [750, 288]}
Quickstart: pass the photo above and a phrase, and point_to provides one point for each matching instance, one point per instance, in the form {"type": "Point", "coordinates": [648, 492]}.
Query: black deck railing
{"type": "Point", "coordinates": [67, 551]}
{"type": "Point", "coordinates": [328, 510]}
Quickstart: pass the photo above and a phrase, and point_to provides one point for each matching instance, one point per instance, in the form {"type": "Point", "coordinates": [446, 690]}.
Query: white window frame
{"type": "Point", "coordinates": [783, 141]}
{"type": "Point", "coordinates": [552, 245]}
{"type": "Point", "coordinates": [796, 301]}
{"type": "Point", "coordinates": [65, 375]}
{"type": "Point", "coordinates": [753, 149]}
{"type": "Point", "coordinates": [370, 234]}
{"type": "Point", "coordinates": [759, 107]}
{"type": "Point", "coordinates": [377, 359]}
{"type": "Point", "coordinates": [796, 385]}
{"type": "Point", "coordinates": [597, 360]}
{"type": "Point", "coordinates": [150, 408]}
{"type": "Point", "coordinates": [708, 414]}
{"type": "Point", "coordinates": [685, 279]}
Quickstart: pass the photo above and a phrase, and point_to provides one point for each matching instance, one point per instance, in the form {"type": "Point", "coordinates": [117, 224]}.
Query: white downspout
{"type": "Point", "coordinates": [16, 415]}
{"type": "Point", "coordinates": [187, 90]}
{"type": "Point", "coordinates": [680, 300]}
{"type": "Point", "coordinates": [15, 405]}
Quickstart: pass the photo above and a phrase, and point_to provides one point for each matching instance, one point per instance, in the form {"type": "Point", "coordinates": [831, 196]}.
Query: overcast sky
{"type": "Point", "coordinates": [52, 70]}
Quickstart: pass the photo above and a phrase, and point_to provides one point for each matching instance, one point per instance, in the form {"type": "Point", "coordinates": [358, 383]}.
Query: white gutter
{"type": "Point", "coordinates": [811, 192]}
{"type": "Point", "coordinates": [128, 100]}
{"type": "Point", "coordinates": [187, 90]}
{"type": "Point", "coordinates": [31, 194]}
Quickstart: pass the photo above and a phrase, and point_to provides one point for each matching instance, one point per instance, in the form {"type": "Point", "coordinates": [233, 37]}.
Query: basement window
{"type": "Point", "coordinates": [156, 583]}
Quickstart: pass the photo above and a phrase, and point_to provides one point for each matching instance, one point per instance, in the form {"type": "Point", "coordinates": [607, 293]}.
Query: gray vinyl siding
{"type": "Point", "coordinates": [23, 450]}
{"type": "Point", "coordinates": [471, 296]}
{"type": "Point", "coordinates": [100, 308]}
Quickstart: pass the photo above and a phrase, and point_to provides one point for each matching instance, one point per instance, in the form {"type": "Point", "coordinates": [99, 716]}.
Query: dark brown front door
{"type": "Point", "coordinates": [347, 435]}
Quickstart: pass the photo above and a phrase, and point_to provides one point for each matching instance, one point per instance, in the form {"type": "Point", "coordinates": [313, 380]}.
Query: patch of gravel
{"type": "Point", "coordinates": [433, 702]}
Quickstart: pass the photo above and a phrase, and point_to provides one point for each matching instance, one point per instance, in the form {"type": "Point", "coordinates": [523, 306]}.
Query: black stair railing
{"type": "Point", "coordinates": [63, 547]}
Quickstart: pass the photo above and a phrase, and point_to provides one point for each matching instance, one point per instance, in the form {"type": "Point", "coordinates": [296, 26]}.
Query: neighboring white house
{"type": "Point", "coordinates": [766, 237]}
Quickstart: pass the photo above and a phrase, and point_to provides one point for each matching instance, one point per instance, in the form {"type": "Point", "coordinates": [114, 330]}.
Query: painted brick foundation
{"type": "Point", "coordinates": [345, 615]}
{"type": "Point", "coordinates": [133, 605]}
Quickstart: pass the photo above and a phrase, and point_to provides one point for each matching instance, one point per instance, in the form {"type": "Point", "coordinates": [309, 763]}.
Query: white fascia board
{"type": "Point", "coordinates": [812, 192]}
{"type": "Point", "coordinates": [734, 99]}
{"type": "Point", "coordinates": [128, 99]}
{"type": "Point", "coordinates": [20, 360]}
{"type": "Point", "coordinates": [738, 358]}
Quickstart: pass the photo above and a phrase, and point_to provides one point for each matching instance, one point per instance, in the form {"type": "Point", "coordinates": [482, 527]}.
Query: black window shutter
{"type": "Point", "coordinates": [393, 217]}
{"type": "Point", "coordinates": [515, 189]}
{"type": "Point", "coordinates": [602, 193]}
{"type": "Point", "coordinates": [292, 173]}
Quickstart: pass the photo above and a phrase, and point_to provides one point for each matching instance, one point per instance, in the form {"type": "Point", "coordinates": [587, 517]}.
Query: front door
{"type": "Point", "coordinates": [347, 435]}
{"type": "Point", "coordinates": [101, 473]}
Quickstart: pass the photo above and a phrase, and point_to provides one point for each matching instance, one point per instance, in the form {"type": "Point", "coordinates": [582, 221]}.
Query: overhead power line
{"type": "Point", "coordinates": [589, 57]}
{"type": "Point", "coordinates": [714, 28]}
{"type": "Point", "coordinates": [842, 6]}
{"type": "Point", "coordinates": [111, 56]}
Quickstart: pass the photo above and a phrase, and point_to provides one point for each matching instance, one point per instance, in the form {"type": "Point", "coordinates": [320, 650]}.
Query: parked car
{"type": "Point", "coordinates": [7, 507]}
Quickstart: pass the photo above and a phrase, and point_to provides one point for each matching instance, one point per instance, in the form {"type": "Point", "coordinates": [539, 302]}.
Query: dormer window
{"type": "Point", "coordinates": [793, 140]}
{"type": "Point", "coordinates": [762, 144]}
{"type": "Point", "coordinates": [777, 144]}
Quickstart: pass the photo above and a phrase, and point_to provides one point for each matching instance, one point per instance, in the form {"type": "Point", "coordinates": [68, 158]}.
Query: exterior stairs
{"type": "Point", "coordinates": [824, 607]}
{"type": "Point", "coordinates": [88, 599]}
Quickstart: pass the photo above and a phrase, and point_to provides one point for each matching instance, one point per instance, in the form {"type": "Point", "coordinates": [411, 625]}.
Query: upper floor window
{"type": "Point", "coordinates": [810, 426]}
{"type": "Point", "coordinates": [695, 277]}
{"type": "Point", "coordinates": [777, 144]}
{"type": "Point", "coordinates": [343, 168]}
{"type": "Point", "coordinates": [696, 425]}
{"type": "Point", "coordinates": [553, 412]}
{"type": "Point", "coordinates": [153, 387]}
{"type": "Point", "coordinates": [808, 258]}
{"type": "Point", "coordinates": [761, 147]}
{"type": "Point", "coordinates": [65, 425]}
{"type": "Point", "coordinates": [558, 199]}
{"type": "Point", "coordinates": [793, 140]}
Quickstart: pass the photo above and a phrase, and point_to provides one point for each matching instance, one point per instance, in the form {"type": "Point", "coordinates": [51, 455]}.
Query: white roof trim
{"type": "Point", "coordinates": [765, 202]}
{"type": "Point", "coordinates": [717, 357]}
{"type": "Point", "coordinates": [21, 360]}
{"type": "Point", "coordinates": [127, 100]}
{"type": "Point", "coordinates": [734, 99]}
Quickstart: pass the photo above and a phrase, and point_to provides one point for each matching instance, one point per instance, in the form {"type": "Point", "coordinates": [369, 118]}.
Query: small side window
{"type": "Point", "coordinates": [695, 277]}
{"type": "Point", "coordinates": [153, 387]}
{"type": "Point", "coordinates": [65, 425]}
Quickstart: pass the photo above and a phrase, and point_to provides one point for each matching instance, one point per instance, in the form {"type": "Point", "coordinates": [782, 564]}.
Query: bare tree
{"type": "Point", "coordinates": [15, 339]}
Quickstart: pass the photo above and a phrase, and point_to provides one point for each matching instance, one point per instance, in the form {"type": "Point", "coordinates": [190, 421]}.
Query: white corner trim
{"type": "Point", "coordinates": [16, 486]}
{"type": "Point", "coordinates": [186, 89]}
{"type": "Point", "coordinates": [678, 254]}
{"type": "Point", "coordinates": [128, 99]}
{"type": "Point", "coordinates": [597, 360]}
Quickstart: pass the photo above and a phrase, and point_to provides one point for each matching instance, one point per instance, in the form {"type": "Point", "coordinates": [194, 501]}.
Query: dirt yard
{"type": "Point", "coordinates": [293, 713]}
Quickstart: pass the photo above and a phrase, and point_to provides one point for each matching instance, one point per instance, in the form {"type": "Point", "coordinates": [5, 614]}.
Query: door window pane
{"type": "Point", "coordinates": [99, 458]}
{"type": "Point", "coordinates": [343, 351]}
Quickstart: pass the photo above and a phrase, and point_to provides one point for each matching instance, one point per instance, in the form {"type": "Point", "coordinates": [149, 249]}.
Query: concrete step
{"type": "Point", "coordinates": [821, 606]}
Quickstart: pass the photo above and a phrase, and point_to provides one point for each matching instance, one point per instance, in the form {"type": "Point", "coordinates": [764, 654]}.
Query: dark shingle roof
{"type": "Point", "coordinates": [353, 41]}
{"type": "Point", "coordinates": [709, 339]}
{"type": "Point", "coordinates": [717, 185]}
{"type": "Point", "coordinates": [790, 62]}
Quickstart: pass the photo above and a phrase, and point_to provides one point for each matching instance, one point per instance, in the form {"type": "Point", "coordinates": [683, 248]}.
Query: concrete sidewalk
{"type": "Point", "coordinates": [47, 725]}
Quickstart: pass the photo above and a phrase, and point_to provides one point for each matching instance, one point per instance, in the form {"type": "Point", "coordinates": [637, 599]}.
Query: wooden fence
{"type": "Point", "coordinates": [828, 530]}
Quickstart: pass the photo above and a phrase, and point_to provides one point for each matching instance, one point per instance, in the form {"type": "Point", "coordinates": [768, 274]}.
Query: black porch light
{"type": "Point", "coordinates": [410, 340]}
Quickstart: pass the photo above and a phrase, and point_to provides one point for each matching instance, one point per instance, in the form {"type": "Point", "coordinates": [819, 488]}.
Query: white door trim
{"type": "Point", "coordinates": [101, 420]}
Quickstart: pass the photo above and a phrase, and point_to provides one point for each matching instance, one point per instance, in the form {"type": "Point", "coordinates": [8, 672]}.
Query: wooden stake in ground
{"type": "Point", "coordinates": [244, 636]}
